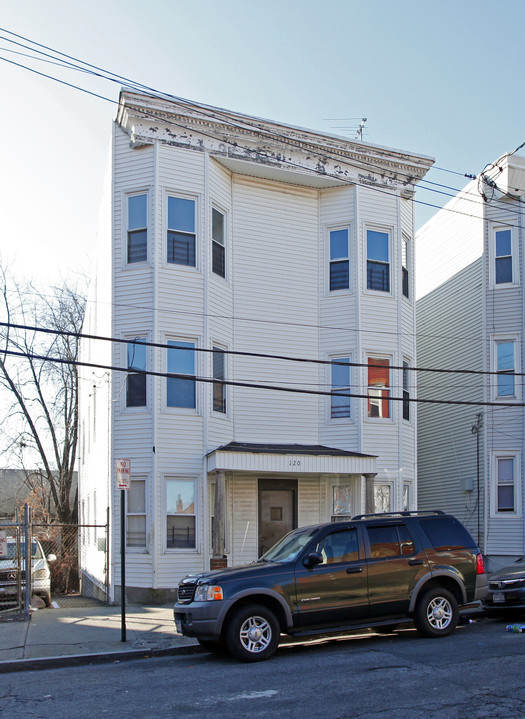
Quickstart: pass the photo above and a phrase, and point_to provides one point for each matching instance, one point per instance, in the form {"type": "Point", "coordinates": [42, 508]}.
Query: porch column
{"type": "Point", "coordinates": [219, 560]}
{"type": "Point", "coordinates": [370, 505]}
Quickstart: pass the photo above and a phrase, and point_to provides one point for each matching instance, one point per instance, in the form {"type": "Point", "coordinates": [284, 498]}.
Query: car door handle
{"type": "Point", "coordinates": [354, 570]}
{"type": "Point", "coordinates": [413, 562]}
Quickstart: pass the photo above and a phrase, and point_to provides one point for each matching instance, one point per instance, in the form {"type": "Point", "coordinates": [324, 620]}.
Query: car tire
{"type": "Point", "coordinates": [436, 613]}
{"type": "Point", "coordinates": [252, 634]}
{"type": "Point", "coordinates": [212, 646]}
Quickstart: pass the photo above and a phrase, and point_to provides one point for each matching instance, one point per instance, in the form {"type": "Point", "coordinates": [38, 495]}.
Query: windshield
{"type": "Point", "coordinates": [287, 548]}
{"type": "Point", "coordinates": [36, 551]}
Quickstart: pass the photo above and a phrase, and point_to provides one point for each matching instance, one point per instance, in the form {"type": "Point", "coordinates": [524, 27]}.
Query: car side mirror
{"type": "Point", "coordinates": [313, 559]}
{"type": "Point", "coordinates": [51, 557]}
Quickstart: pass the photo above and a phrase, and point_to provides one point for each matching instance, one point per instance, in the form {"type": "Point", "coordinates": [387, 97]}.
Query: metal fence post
{"type": "Point", "coordinates": [27, 560]}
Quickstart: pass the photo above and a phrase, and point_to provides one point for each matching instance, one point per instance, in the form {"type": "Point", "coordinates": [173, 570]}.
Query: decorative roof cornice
{"type": "Point", "coordinates": [148, 119]}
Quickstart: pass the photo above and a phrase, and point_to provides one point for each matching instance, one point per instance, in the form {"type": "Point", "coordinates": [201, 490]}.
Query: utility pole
{"type": "Point", "coordinates": [476, 429]}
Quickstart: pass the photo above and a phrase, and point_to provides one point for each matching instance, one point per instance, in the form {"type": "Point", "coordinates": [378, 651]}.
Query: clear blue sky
{"type": "Point", "coordinates": [439, 78]}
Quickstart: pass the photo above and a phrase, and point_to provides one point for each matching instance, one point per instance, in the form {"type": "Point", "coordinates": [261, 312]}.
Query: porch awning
{"type": "Point", "coordinates": [289, 459]}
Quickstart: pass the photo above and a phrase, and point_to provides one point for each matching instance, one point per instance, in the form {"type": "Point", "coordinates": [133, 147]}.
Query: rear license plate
{"type": "Point", "coordinates": [498, 598]}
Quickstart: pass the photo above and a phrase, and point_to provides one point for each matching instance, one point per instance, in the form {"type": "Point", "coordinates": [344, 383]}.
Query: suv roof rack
{"type": "Point", "coordinates": [399, 514]}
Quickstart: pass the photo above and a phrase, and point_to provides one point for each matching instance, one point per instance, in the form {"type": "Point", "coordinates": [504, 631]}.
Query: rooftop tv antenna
{"type": "Point", "coordinates": [358, 129]}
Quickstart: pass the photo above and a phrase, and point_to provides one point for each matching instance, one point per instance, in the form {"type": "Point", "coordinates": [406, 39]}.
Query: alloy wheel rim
{"type": "Point", "coordinates": [255, 634]}
{"type": "Point", "coordinates": [439, 613]}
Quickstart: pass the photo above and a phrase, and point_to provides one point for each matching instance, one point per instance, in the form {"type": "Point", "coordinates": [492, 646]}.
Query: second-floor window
{"type": "Point", "coordinates": [377, 261]}
{"type": "Point", "coordinates": [505, 480]}
{"type": "Point", "coordinates": [219, 373]}
{"type": "Point", "coordinates": [218, 248]}
{"type": "Point", "coordinates": [378, 387]}
{"type": "Point", "coordinates": [136, 381]}
{"type": "Point", "coordinates": [340, 400]}
{"type": "Point", "coordinates": [180, 391]}
{"type": "Point", "coordinates": [503, 257]}
{"type": "Point", "coordinates": [406, 391]}
{"type": "Point", "coordinates": [505, 368]}
{"type": "Point", "coordinates": [339, 260]}
{"type": "Point", "coordinates": [137, 228]}
{"type": "Point", "coordinates": [181, 231]}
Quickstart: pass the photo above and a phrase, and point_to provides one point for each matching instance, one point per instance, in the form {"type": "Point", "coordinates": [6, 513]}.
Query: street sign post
{"type": "Point", "coordinates": [123, 475]}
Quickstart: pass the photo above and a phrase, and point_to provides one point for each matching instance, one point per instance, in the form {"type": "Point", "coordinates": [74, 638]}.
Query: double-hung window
{"type": "Point", "coordinates": [180, 513]}
{"type": "Point", "coordinates": [405, 258]}
{"type": "Point", "coordinates": [340, 399]}
{"type": "Point", "coordinates": [136, 513]}
{"type": "Point", "coordinates": [377, 261]}
{"type": "Point", "coordinates": [137, 228]}
{"type": "Point", "coordinates": [339, 260]}
{"type": "Point", "coordinates": [181, 231]}
{"type": "Point", "coordinates": [180, 391]}
{"type": "Point", "coordinates": [503, 256]}
{"type": "Point", "coordinates": [383, 497]}
{"type": "Point", "coordinates": [136, 380]}
{"type": "Point", "coordinates": [406, 391]}
{"type": "Point", "coordinates": [219, 375]}
{"type": "Point", "coordinates": [505, 369]}
{"type": "Point", "coordinates": [505, 483]}
{"type": "Point", "coordinates": [218, 247]}
{"type": "Point", "coordinates": [378, 387]}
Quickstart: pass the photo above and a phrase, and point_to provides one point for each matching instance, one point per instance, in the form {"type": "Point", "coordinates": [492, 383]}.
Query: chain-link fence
{"type": "Point", "coordinates": [14, 598]}
{"type": "Point", "coordinates": [59, 556]}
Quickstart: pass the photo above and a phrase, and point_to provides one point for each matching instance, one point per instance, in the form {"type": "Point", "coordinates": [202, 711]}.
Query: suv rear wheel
{"type": "Point", "coordinates": [436, 613]}
{"type": "Point", "coordinates": [252, 634]}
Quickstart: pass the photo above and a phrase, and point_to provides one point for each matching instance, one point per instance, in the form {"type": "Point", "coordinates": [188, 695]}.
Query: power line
{"type": "Point", "coordinates": [216, 114]}
{"type": "Point", "coordinates": [261, 355]}
{"type": "Point", "coordinates": [251, 385]}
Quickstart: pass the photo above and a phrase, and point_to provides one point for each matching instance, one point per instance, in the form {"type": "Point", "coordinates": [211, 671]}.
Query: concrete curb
{"type": "Point", "coordinates": [70, 660]}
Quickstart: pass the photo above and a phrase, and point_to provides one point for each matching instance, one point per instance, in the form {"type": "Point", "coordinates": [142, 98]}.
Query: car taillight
{"type": "Point", "coordinates": [480, 564]}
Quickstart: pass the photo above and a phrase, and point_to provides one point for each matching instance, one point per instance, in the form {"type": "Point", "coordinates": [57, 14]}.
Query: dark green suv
{"type": "Point", "coordinates": [375, 570]}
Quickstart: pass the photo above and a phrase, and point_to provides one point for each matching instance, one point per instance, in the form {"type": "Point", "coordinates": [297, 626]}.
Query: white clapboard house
{"type": "Point", "coordinates": [230, 250]}
{"type": "Point", "coordinates": [471, 316]}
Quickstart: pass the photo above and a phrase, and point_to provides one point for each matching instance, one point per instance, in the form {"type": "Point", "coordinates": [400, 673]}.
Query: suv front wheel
{"type": "Point", "coordinates": [252, 634]}
{"type": "Point", "coordinates": [436, 613]}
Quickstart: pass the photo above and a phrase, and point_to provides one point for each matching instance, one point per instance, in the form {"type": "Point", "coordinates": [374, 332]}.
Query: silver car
{"type": "Point", "coordinates": [9, 568]}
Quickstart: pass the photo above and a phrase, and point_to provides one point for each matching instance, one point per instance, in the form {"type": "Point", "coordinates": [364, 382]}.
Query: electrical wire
{"type": "Point", "coordinates": [213, 112]}
{"type": "Point", "coordinates": [251, 385]}
{"type": "Point", "coordinates": [262, 355]}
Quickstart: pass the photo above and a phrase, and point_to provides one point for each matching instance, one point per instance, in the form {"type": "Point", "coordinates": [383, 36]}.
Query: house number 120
{"type": "Point", "coordinates": [295, 463]}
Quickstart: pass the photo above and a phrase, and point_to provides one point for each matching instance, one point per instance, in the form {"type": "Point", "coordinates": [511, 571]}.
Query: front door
{"type": "Point", "coordinates": [277, 511]}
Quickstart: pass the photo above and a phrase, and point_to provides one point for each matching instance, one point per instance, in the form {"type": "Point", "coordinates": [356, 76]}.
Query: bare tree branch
{"type": "Point", "coordinates": [41, 421]}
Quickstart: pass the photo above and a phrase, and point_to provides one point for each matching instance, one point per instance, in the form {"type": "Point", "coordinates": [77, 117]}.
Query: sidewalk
{"type": "Point", "coordinates": [81, 635]}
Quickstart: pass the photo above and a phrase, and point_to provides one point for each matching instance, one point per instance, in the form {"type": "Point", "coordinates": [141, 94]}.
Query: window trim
{"type": "Point", "coordinates": [329, 230]}
{"type": "Point", "coordinates": [389, 358]}
{"type": "Point", "coordinates": [515, 455]}
{"type": "Point", "coordinates": [196, 234]}
{"type": "Point", "coordinates": [496, 339]}
{"type": "Point", "coordinates": [180, 477]}
{"type": "Point", "coordinates": [406, 246]}
{"type": "Point", "coordinates": [334, 358]}
{"type": "Point", "coordinates": [125, 214]}
{"type": "Point", "coordinates": [384, 483]}
{"type": "Point", "coordinates": [493, 257]}
{"type": "Point", "coordinates": [406, 373]}
{"type": "Point", "coordinates": [215, 412]}
{"type": "Point", "coordinates": [196, 344]}
{"type": "Point", "coordinates": [134, 549]}
{"type": "Point", "coordinates": [389, 232]}
{"type": "Point", "coordinates": [216, 208]}
{"type": "Point", "coordinates": [144, 336]}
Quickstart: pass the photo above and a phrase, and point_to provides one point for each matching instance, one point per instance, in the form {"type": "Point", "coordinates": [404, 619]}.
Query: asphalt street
{"type": "Point", "coordinates": [477, 672]}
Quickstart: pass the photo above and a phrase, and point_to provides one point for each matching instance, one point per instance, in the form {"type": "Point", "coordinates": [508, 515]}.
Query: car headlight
{"type": "Point", "coordinates": [208, 593]}
{"type": "Point", "coordinates": [40, 574]}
